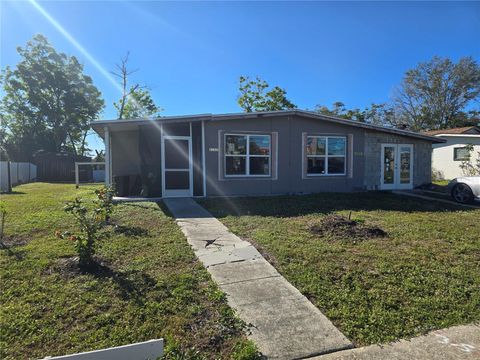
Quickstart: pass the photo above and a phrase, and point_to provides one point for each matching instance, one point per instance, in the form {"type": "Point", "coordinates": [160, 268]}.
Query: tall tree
{"type": "Point", "coordinates": [136, 101]}
{"type": "Point", "coordinates": [48, 102]}
{"type": "Point", "coordinates": [436, 94]}
{"type": "Point", "coordinates": [374, 114]}
{"type": "Point", "coordinates": [138, 104]}
{"type": "Point", "coordinates": [256, 96]}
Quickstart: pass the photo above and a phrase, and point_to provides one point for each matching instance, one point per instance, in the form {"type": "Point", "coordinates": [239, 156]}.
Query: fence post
{"type": "Point", "coordinates": [9, 179]}
{"type": "Point", "coordinates": [77, 177]}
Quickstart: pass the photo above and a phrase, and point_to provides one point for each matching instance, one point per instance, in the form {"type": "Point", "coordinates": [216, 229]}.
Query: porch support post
{"type": "Point", "coordinates": [204, 170]}
{"type": "Point", "coordinates": [108, 160]}
{"type": "Point", "coordinates": [162, 159]}
{"type": "Point", "coordinates": [77, 176]}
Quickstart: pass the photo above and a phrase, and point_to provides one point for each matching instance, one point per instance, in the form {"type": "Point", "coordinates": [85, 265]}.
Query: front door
{"type": "Point", "coordinates": [177, 166]}
{"type": "Point", "coordinates": [397, 166]}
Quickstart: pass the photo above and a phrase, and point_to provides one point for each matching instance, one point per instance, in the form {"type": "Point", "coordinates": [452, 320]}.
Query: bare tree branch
{"type": "Point", "coordinates": [123, 73]}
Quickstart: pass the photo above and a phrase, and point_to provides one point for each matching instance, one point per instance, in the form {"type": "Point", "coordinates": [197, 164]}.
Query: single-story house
{"type": "Point", "coordinates": [448, 156]}
{"type": "Point", "coordinates": [260, 153]}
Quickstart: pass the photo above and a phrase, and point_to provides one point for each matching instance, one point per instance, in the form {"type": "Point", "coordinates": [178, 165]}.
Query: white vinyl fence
{"type": "Point", "coordinates": [99, 175]}
{"type": "Point", "coordinates": [20, 173]}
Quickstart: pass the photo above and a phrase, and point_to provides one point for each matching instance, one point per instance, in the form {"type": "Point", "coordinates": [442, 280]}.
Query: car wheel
{"type": "Point", "coordinates": [462, 193]}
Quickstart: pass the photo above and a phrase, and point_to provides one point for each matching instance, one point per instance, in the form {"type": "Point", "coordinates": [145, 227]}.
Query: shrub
{"type": "Point", "coordinates": [105, 200]}
{"type": "Point", "coordinates": [89, 222]}
{"type": "Point", "coordinates": [437, 175]}
{"type": "Point", "coordinates": [469, 167]}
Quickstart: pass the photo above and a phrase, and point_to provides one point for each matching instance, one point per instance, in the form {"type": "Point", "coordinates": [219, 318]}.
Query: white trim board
{"type": "Point", "coordinates": [151, 349]}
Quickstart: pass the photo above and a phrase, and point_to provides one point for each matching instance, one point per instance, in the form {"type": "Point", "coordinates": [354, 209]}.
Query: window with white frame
{"type": "Point", "coordinates": [247, 155]}
{"type": "Point", "coordinates": [326, 155]}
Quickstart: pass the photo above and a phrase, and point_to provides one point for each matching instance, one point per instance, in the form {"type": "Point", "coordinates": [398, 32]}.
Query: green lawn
{"type": "Point", "coordinates": [441, 182]}
{"type": "Point", "coordinates": [425, 275]}
{"type": "Point", "coordinates": [152, 285]}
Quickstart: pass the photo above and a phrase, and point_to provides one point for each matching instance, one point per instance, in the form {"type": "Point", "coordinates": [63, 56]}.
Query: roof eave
{"type": "Point", "coordinates": [432, 139]}
{"type": "Point", "coordinates": [99, 126]}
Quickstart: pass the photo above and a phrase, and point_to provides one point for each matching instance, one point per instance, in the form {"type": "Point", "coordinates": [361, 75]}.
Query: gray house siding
{"type": "Point", "coordinates": [288, 160]}
{"type": "Point", "coordinates": [422, 158]}
{"type": "Point", "coordinates": [136, 150]}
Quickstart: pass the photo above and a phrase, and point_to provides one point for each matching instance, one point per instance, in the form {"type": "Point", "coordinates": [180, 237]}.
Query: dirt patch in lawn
{"type": "Point", "coordinates": [9, 241]}
{"type": "Point", "coordinates": [347, 229]}
{"type": "Point", "coordinates": [69, 267]}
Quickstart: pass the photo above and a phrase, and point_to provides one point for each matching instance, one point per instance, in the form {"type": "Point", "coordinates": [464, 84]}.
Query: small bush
{"type": "Point", "coordinates": [469, 167]}
{"type": "Point", "coordinates": [437, 175]}
{"type": "Point", "coordinates": [89, 222]}
{"type": "Point", "coordinates": [105, 200]}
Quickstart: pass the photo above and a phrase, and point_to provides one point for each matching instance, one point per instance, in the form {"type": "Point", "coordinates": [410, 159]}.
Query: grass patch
{"type": "Point", "coordinates": [440, 182]}
{"type": "Point", "coordinates": [149, 285]}
{"type": "Point", "coordinates": [424, 275]}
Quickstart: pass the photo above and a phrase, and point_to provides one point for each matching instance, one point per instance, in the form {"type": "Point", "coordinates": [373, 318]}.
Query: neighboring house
{"type": "Point", "coordinates": [447, 157]}
{"type": "Point", "coordinates": [262, 153]}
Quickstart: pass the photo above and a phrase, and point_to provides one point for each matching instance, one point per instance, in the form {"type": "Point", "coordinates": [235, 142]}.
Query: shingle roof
{"type": "Point", "coordinates": [460, 130]}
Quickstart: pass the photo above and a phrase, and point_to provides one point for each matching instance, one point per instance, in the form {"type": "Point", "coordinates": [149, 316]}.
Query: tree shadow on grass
{"type": "Point", "coordinates": [139, 205]}
{"type": "Point", "coordinates": [128, 230]}
{"type": "Point", "coordinates": [323, 203]}
{"type": "Point", "coordinates": [132, 285]}
{"type": "Point", "coordinates": [10, 251]}
{"type": "Point", "coordinates": [9, 243]}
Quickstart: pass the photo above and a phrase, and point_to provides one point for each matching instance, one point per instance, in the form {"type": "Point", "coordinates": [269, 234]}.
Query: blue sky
{"type": "Point", "coordinates": [191, 53]}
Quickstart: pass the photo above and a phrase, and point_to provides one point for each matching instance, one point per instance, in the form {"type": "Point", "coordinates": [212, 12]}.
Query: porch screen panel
{"type": "Point", "coordinates": [149, 148]}
{"type": "Point", "coordinates": [178, 151]}
{"type": "Point", "coordinates": [177, 180]}
{"type": "Point", "coordinates": [177, 164]}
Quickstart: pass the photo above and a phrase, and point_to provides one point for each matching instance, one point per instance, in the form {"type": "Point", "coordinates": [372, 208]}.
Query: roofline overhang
{"type": "Point", "coordinates": [100, 125]}
{"type": "Point", "coordinates": [458, 135]}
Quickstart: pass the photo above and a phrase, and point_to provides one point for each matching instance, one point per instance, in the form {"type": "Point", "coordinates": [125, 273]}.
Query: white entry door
{"type": "Point", "coordinates": [396, 167]}
{"type": "Point", "coordinates": [177, 166]}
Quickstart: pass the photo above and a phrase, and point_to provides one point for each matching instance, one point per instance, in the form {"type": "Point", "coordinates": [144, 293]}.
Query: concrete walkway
{"type": "Point", "coordinates": [285, 325]}
{"type": "Point", "coordinates": [455, 343]}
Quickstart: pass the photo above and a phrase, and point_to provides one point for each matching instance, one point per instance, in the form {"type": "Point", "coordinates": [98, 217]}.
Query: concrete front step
{"type": "Point", "coordinates": [284, 323]}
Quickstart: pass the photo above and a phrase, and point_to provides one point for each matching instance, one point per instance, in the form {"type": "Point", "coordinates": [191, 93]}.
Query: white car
{"type": "Point", "coordinates": [465, 189]}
